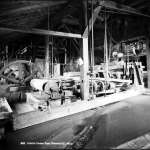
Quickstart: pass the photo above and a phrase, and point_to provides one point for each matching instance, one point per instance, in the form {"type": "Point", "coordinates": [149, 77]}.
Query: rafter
{"type": "Point", "coordinates": [42, 32]}
{"type": "Point", "coordinates": [137, 2]}
{"type": "Point", "coordinates": [122, 8]}
{"type": "Point", "coordinates": [32, 7]}
{"type": "Point", "coordinates": [95, 15]}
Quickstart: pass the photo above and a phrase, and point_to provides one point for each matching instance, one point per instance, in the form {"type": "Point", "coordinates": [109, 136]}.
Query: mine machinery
{"type": "Point", "coordinates": [23, 83]}
{"type": "Point", "coordinates": [15, 78]}
{"type": "Point", "coordinates": [68, 58]}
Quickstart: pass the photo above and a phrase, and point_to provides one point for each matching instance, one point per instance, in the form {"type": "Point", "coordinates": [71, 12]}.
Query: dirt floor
{"type": "Point", "coordinates": [105, 127]}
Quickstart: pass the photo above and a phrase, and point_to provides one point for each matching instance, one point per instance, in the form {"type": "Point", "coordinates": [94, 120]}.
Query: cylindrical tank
{"type": "Point", "coordinates": [38, 83]}
{"type": "Point", "coordinates": [46, 85]}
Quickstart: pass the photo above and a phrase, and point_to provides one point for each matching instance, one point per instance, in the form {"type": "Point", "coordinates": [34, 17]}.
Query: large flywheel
{"type": "Point", "coordinates": [20, 72]}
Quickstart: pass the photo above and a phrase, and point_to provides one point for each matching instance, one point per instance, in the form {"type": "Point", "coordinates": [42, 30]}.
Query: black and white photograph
{"type": "Point", "coordinates": [74, 74]}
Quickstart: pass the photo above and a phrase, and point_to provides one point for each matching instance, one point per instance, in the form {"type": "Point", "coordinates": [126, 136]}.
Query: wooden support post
{"type": "Point", "coordinates": [148, 60]}
{"type": "Point", "coordinates": [84, 71]}
{"type": "Point", "coordinates": [65, 56]}
{"type": "Point", "coordinates": [85, 67]}
{"type": "Point", "coordinates": [47, 57]}
{"type": "Point", "coordinates": [85, 13]}
{"type": "Point", "coordinates": [95, 15]}
{"type": "Point", "coordinates": [6, 50]}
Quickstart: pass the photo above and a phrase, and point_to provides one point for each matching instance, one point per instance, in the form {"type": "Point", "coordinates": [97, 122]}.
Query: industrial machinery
{"type": "Point", "coordinates": [15, 77]}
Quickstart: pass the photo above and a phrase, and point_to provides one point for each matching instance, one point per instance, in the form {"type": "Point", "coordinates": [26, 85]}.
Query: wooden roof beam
{"type": "Point", "coordinates": [95, 15]}
{"type": "Point", "coordinates": [111, 5]}
{"type": "Point", "coordinates": [32, 7]}
{"type": "Point", "coordinates": [122, 8]}
{"type": "Point", "coordinates": [144, 6]}
{"type": "Point", "coordinates": [137, 2]}
{"type": "Point", "coordinates": [42, 32]}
